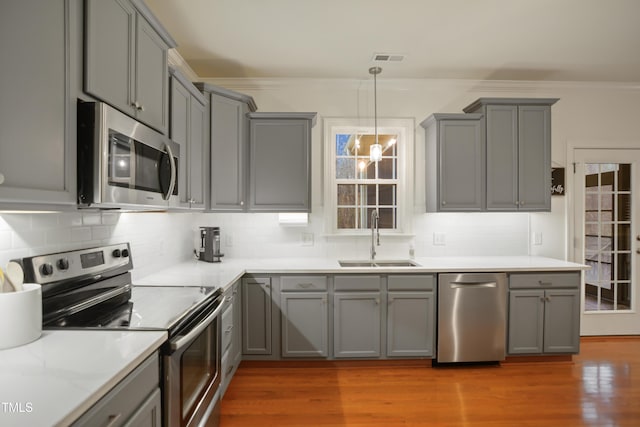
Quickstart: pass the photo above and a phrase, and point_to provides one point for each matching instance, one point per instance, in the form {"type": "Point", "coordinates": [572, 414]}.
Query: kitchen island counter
{"type": "Point", "coordinates": [55, 379]}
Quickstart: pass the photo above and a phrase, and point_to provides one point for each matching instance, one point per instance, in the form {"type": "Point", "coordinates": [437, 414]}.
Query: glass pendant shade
{"type": "Point", "coordinates": [375, 153]}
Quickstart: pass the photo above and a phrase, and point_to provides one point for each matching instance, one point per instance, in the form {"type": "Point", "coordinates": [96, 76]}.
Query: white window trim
{"type": "Point", "coordinates": [405, 129]}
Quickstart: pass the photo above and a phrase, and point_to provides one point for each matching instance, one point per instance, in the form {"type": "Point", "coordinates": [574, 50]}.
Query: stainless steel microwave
{"type": "Point", "coordinates": [123, 164]}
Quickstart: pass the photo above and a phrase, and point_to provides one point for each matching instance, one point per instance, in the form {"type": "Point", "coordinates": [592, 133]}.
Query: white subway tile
{"type": "Point", "coordinates": [80, 234]}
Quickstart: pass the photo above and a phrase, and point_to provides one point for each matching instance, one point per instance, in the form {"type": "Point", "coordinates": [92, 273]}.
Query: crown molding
{"type": "Point", "coordinates": [177, 61]}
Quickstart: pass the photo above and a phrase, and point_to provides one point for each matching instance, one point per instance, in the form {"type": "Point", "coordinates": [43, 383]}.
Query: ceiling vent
{"type": "Point", "coordinates": [387, 57]}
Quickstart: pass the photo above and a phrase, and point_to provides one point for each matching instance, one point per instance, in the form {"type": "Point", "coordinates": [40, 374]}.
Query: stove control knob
{"type": "Point", "coordinates": [116, 253]}
{"type": "Point", "coordinates": [63, 264]}
{"type": "Point", "coordinates": [46, 269]}
{"type": "Point", "coordinates": [125, 253]}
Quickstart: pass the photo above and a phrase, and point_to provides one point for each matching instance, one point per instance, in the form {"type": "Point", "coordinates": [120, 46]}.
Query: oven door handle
{"type": "Point", "coordinates": [193, 333]}
{"type": "Point", "coordinates": [172, 182]}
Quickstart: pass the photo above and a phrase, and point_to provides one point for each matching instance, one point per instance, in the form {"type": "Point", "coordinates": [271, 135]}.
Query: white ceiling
{"type": "Point", "coordinates": [551, 40]}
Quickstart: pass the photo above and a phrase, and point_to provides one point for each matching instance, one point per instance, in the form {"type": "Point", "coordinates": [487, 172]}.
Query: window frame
{"type": "Point", "coordinates": [405, 129]}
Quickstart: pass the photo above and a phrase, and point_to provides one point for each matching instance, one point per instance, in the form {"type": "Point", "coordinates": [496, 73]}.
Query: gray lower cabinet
{"type": "Point", "coordinates": [187, 128]}
{"type": "Point", "coordinates": [126, 59]}
{"type": "Point", "coordinates": [544, 313]}
{"type": "Point", "coordinates": [231, 342]}
{"type": "Point", "coordinates": [411, 316]}
{"type": "Point", "coordinates": [357, 317]}
{"type": "Point", "coordinates": [256, 316]}
{"type": "Point", "coordinates": [38, 103]}
{"type": "Point", "coordinates": [229, 140]}
{"type": "Point", "coordinates": [133, 402]}
{"type": "Point", "coordinates": [305, 322]}
{"type": "Point", "coordinates": [455, 159]}
{"type": "Point", "coordinates": [518, 138]}
{"type": "Point", "coordinates": [280, 162]}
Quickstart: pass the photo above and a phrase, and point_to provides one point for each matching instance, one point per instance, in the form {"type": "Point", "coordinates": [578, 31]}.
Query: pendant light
{"type": "Point", "coordinates": [375, 153]}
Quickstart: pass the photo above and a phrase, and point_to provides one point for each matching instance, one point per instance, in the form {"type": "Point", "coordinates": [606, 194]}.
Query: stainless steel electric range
{"type": "Point", "coordinates": [92, 289]}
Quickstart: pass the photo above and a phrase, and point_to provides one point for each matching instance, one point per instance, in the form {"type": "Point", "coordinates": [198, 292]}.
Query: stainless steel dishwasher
{"type": "Point", "coordinates": [472, 317]}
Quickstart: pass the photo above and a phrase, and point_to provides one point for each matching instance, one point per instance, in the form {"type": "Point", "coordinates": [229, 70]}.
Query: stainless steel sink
{"type": "Point", "coordinates": [378, 263]}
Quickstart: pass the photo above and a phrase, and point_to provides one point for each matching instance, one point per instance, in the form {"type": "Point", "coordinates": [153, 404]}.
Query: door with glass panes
{"type": "Point", "coordinates": [607, 239]}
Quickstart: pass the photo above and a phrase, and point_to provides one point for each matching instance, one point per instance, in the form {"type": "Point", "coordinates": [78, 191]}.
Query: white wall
{"type": "Point", "coordinates": [600, 113]}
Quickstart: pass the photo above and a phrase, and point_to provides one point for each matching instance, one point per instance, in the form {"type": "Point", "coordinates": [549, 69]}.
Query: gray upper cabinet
{"type": "Point", "coordinates": [280, 162]}
{"type": "Point", "coordinates": [126, 59]}
{"type": "Point", "coordinates": [229, 139]}
{"type": "Point", "coordinates": [455, 162]}
{"type": "Point", "coordinates": [518, 141]}
{"type": "Point", "coordinates": [544, 313]}
{"type": "Point", "coordinates": [188, 121]}
{"type": "Point", "coordinates": [37, 105]}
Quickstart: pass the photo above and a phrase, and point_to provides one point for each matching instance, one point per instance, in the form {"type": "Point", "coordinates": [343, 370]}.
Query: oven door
{"type": "Point", "coordinates": [192, 371]}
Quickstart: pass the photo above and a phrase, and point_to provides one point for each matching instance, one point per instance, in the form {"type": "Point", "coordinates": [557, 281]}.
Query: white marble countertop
{"type": "Point", "coordinates": [198, 273]}
{"type": "Point", "coordinates": [55, 379]}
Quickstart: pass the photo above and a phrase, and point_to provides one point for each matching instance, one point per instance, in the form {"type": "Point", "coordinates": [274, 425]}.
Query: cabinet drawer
{"type": "Point", "coordinates": [227, 327]}
{"type": "Point", "coordinates": [357, 283]}
{"type": "Point", "coordinates": [303, 283]}
{"type": "Point", "coordinates": [411, 283]}
{"type": "Point", "coordinates": [125, 397]}
{"type": "Point", "coordinates": [544, 280]}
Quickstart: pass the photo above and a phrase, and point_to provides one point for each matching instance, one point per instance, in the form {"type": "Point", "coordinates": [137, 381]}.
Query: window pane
{"type": "Point", "coordinates": [624, 267]}
{"type": "Point", "coordinates": [623, 239]}
{"type": "Point", "coordinates": [387, 168]}
{"type": "Point", "coordinates": [624, 177]}
{"type": "Point", "coordinates": [387, 194]}
{"type": "Point", "coordinates": [624, 296]}
{"type": "Point", "coordinates": [345, 168]}
{"type": "Point", "coordinates": [591, 202]}
{"type": "Point", "coordinates": [606, 201]}
{"type": "Point", "coordinates": [366, 195]}
{"type": "Point", "coordinates": [342, 142]}
{"type": "Point", "coordinates": [387, 218]}
{"type": "Point", "coordinates": [346, 194]}
{"type": "Point", "coordinates": [346, 218]}
{"type": "Point", "coordinates": [624, 207]}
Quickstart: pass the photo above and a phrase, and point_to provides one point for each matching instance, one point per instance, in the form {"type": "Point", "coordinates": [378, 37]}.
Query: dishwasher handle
{"type": "Point", "coordinates": [475, 285]}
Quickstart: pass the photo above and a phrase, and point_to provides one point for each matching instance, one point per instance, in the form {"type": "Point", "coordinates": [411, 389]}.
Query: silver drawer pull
{"type": "Point", "coordinates": [541, 283]}
{"type": "Point", "coordinates": [305, 285]}
{"type": "Point", "coordinates": [228, 330]}
{"type": "Point", "coordinates": [113, 419]}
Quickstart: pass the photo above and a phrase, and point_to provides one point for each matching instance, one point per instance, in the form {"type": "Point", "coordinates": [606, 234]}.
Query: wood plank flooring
{"type": "Point", "coordinates": [599, 387]}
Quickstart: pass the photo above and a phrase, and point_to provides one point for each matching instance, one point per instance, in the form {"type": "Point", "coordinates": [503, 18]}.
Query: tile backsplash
{"type": "Point", "coordinates": [161, 239]}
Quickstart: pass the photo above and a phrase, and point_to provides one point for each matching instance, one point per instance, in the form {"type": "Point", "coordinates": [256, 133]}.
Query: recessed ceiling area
{"type": "Point", "coordinates": [546, 40]}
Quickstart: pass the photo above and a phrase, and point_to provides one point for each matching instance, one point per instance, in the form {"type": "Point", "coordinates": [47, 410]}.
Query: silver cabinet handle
{"type": "Point", "coordinates": [241, 202]}
{"type": "Point", "coordinates": [113, 419]}
{"type": "Point", "coordinates": [542, 299]}
{"type": "Point", "coordinates": [541, 283]}
{"type": "Point", "coordinates": [172, 182]}
{"type": "Point", "coordinates": [1, 178]}
{"type": "Point", "coordinates": [547, 299]}
{"type": "Point", "coordinates": [444, 203]}
{"type": "Point", "coordinates": [228, 330]}
{"type": "Point", "coordinates": [305, 285]}
{"type": "Point", "coordinates": [456, 285]}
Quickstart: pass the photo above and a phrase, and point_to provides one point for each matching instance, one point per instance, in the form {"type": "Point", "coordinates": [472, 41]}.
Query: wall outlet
{"type": "Point", "coordinates": [439, 239]}
{"type": "Point", "coordinates": [306, 239]}
{"type": "Point", "coordinates": [537, 238]}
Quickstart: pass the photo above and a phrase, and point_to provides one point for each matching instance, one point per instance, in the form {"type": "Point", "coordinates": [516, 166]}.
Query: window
{"type": "Point", "coordinates": [357, 186]}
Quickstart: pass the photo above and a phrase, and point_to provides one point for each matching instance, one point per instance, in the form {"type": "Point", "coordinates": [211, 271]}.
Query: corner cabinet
{"type": "Point", "coordinates": [39, 88]}
{"type": "Point", "coordinates": [518, 141]}
{"type": "Point", "coordinates": [188, 118]}
{"type": "Point", "coordinates": [126, 66]}
{"type": "Point", "coordinates": [544, 313]}
{"type": "Point", "coordinates": [280, 162]}
{"type": "Point", "coordinates": [455, 162]}
{"type": "Point", "coordinates": [229, 141]}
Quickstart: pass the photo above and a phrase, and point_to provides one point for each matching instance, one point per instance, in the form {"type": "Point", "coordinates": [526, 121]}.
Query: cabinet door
{"type": "Point", "coordinates": [526, 321]}
{"type": "Point", "coordinates": [236, 340]}
{"type": "Point", "coordinates": [562, 321]}
{"type": "Point", "coordinates": [109, 52]}
{"type": "Point", "coordinates": [147, 414]}
{"type": "Point", "coordinates": [461, 165]}
{"type": "Point", "coordinates": [502, 157]}
{"type": "Point", "coordinates": [356, 329]}
{"type": "Point", "coordinates": [228, 153]}
{"type": "Point", "coordinates": [304, 324]}
{"type": "Point", "coordinates": [37, 112]}
{"type": "Point", "coordinates": [410, 324]}
{"type": "Point", "coordinates": [197, 154]}
{"type": "Point", "coordinates": [151, 76]}
{"type": "Point", "coordinates": [534, 151]}
{"type": "Point", "coordinates": [256, 316]}
{"type": "Point", "coordinates": [280, 165]}
{"type": "Point", "coordinates": [180, 100]}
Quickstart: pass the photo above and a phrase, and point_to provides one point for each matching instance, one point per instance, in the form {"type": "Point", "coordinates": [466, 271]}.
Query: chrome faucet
{"type": "Point", "coordinates": [375, 229]}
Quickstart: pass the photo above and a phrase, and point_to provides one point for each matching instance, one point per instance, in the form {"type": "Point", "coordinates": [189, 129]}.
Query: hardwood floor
{"type": "Point", "coordinates": [599, 387]}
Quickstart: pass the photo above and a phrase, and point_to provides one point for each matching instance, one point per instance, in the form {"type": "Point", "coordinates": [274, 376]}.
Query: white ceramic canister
{"type": "Point", "coordinates": [20, 316]}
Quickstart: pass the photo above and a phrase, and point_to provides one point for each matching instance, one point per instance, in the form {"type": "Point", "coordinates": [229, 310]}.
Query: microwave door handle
{"type": "Point", "coordinates": [172, 182]}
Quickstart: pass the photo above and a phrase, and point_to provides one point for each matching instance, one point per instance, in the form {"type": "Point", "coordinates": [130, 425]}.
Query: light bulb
{"type": "Point", "coordinates": [375, 155]}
